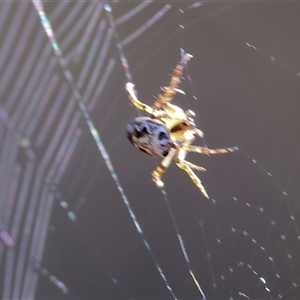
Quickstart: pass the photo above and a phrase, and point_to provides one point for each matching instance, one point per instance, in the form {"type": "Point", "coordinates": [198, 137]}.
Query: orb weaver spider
{"type": "Point", "coordinates": [168, 131]}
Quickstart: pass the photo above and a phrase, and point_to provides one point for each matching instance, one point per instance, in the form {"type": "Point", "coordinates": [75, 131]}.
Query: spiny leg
{"type": "Point", "coordinates": [184, 142]}
{"type": "Point", "coordinates": [185, 166]}
{"type": "Point", "coordinates": [192, 166]}
{"type": "Point", "coordinates": [135, 101]}
{"type": "Point", "coordinates": [157, 114]}
{"type": "Point", "coordinates": [168, 93]}
{"type": "Point", "coordinates": [199, 132]}
{"type": "Point", "coordinates": [207, 151]}
{"type": "Point", "coordinates": [161, 169]}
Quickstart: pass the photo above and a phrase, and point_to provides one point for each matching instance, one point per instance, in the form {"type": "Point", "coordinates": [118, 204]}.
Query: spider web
{"type": "Point", "coordinates": [243, 243]}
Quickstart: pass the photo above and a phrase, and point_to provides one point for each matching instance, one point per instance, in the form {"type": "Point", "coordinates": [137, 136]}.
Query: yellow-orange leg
{"type": "Point", "coordinates": [187, 166]}
{"type": "Point", "coordinates": [161, 169]}
{"type": "Point", "coordinates": [207, 151]}
{"type": "Point", "coordinates": [192, 166]}
{"type": "Point", "coordinates": [168, 93]}
{"type": "Point", "coordinates": [184, 165]}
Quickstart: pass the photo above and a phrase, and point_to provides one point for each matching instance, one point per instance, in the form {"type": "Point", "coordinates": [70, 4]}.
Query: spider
{"type": "Point", "coordinates": [168, 131]}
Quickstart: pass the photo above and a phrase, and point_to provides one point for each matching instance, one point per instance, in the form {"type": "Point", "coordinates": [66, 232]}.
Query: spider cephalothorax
{"type": "Point", "coordinates": [168, 131]}
{"type": "Point", "coordinates": [150, 136]}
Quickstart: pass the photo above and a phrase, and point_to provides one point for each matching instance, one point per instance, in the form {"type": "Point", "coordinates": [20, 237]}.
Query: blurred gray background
{"type": "Point", "coordinates": [66, 232]}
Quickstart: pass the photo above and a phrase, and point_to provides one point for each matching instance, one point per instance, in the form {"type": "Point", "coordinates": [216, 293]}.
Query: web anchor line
{"type": "Point", "coordinates": [129, 78]}
{"type": "Point", "coordinates": [164, 193]}
{"type": "Point", "coordinates": [273, 59]}
{"type": "Point", "coordinates": [69, 77]}
{"type": "Point", "coordinates": [181, 243]}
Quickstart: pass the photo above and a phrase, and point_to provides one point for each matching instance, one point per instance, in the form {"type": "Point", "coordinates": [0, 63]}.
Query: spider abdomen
{"type": "Point", "coordinates": [150, 136]}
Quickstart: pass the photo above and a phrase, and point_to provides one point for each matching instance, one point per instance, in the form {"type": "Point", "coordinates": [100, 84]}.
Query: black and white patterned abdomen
{"type": "Point", "coordinates": [150, 136]}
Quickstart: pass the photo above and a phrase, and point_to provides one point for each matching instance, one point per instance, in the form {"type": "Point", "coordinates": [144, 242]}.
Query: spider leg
{"type": "Point", "coordinates": [135, 101]}
{"type": "Point", "coordinates": [157, 114]}
{"type": "Point", "coordinates": [193, 166]}
{"type": "Point", "coordinates": [161, 169]}
{"type": "Point", "coordinates": [207, 151]}
{"type": "Point", "coordinates": [187, 167]}
{"type": "Point", "coordinates": [167, 93]}
{"type": "Point", "coordinates": [199, 132]}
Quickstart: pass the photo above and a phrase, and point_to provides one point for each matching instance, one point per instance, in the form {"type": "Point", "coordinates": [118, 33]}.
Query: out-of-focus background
{"type": "Point", "coordinates": [68, 231]}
